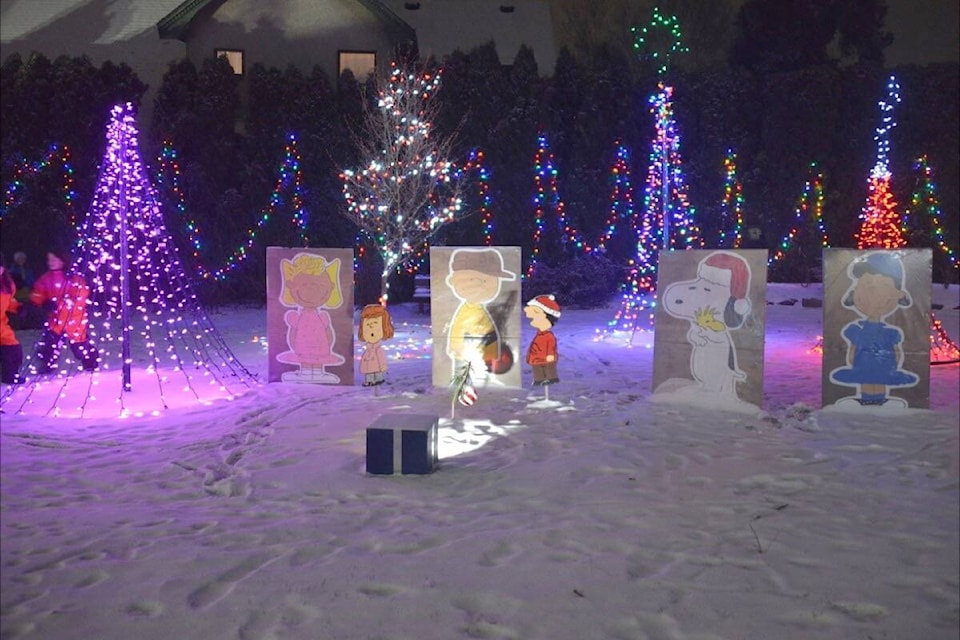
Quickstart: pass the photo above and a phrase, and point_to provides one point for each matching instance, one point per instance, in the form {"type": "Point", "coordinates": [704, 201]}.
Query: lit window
{"type": "Point", "coordinates": [360, 63]}
{"type": "Point", "coordinates": [234, 57]}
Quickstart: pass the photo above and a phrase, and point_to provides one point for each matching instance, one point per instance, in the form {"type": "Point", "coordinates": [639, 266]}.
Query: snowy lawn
{"type": "Point", "coordinates": [600, 515]}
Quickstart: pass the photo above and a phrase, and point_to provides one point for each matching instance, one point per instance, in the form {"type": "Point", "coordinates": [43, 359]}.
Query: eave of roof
{"type": "Point", "coordinates": [397, 28]}
{"type": "Point", "coordinates": [176, 24]}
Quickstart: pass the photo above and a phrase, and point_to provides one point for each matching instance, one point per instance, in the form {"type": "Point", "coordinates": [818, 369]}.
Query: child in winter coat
{"type": "Point", "coordinates": [11, 353]}
{"type": "Point", "coordinates": [65, 296]}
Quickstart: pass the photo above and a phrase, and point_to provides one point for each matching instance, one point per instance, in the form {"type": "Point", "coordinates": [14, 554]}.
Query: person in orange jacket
{"type": "Point", "coordinates": [11, 353]}
{"type": "Point", "coordinates": [65, 296]}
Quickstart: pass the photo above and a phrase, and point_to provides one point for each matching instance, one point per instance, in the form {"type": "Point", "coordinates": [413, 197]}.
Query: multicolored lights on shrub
{"type": "Point", "coordinates": [621, 200]}
{"type": "Point", "coordinates": [731, 206]}
{"type": "Point", "coordinates": [414, 263]}
{"type": "Point", "coordinates": [289, 180]}
{"type": "Point", "coordinates": [547, 201]}
{"type": "Point", "coordinates": [407, 191]}
{"type": "Point", "coordinates": [637, 291]}
{"type": "Point", "coordinates": [25, 170]}
{"type": "Point", "coordinates": [807, 215]}
{"type": "Point", "coordinates": [142, 314]}
{"type": "Point", "coordinates": [881, 226]}
{"type": "Point", "coordinates": [475, 163]}
{"type": "Point", "coordinates": [924, 199]}
{"type": "Point", "coordinates": [943, 350]}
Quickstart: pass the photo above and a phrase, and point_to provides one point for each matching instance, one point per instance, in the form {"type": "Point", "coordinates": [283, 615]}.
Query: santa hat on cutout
{"type": "Point", "coordinates": [731, 271]}
{"type": "Point", "coordinates": [548, 303]}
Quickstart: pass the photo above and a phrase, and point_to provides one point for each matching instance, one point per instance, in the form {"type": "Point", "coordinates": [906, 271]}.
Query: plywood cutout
{"type": "Point", "coordinates": [475, 313]}
{"type": "Point", "coordinates": [709, 339]}
{"type": "Point", "coordinates": [310, 315]}
{"type": "Point", "coordinates": [876, 342]}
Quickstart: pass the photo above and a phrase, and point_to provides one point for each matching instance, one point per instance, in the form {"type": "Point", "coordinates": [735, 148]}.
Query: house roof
{"type": "Point", "coordinates": [176, 24]}
{"type": "Point", "coordinates": [173, 26]}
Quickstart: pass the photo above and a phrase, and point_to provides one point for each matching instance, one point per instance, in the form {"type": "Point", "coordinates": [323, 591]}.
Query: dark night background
{"type": "Point", "coordinates": [783, 83]}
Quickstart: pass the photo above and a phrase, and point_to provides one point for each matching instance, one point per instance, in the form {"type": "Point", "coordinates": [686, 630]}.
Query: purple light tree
{"type": "Point", "coordinates": [142, 314]}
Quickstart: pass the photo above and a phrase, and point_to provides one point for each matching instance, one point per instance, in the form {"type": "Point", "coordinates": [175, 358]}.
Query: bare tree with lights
{"type": "Point", "coordinates": [407, 188]}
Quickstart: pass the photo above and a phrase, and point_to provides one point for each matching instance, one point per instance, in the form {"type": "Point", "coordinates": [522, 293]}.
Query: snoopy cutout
{"type": "Point", "coordinates": [715, 303]}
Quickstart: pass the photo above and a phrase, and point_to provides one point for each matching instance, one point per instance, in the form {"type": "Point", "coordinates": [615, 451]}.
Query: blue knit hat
{"type": "Point", "coordinates": [882, 262]}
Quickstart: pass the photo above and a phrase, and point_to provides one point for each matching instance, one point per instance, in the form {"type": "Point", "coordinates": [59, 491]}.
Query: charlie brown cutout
{"type": "Point", "coordinates": [473, 337]}
{"type": "Point", "coordinates": [543, 312]}
{"type": "Point", "coordinates": [311, 286]}
{"type": "Point", "coordinates": [874, 357]}
{"type": "Point", "coordinates": [714, 304]}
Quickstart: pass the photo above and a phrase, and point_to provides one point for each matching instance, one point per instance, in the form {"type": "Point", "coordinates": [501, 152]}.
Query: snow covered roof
{"type": "Point", "coordinates": [176, 24]}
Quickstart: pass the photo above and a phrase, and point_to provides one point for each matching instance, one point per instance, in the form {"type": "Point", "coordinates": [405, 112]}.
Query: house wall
{"type": "Point", "coordinates": [118, 31]}
{"type": "Point", "coordinates": [304, 32]}
{"type": "Point", "coordinates": [294, 32]}
{"type": "Point", "coordinates": [443, 26]}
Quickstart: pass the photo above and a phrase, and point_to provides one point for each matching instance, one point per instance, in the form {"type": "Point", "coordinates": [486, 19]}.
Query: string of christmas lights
{"type": "Point", "coordinates": [638, 291]}
{"type": "Point", "coordinates": [414, 264]}
{"type": "Point", "coordinates": [475, 163]}
{"type": "Point", "coordinates": [668, 218]}
{"type": "Point", "coordinates": [547, 198]}
{"type": "Point", "coordinates": [731, 206]}
{"type": "Point", "coordinates": [943, 350]}
{"type": "Point", "coordinates": [666, 191]}
{"type": "Point", "coordinates": [881, 226]}
{"type": "Point", "coordinates": [289, 178]}
{"type": "Point", "coordinates": [621, 200]}
{"type": "Point", "coordinates": [360, 252]}
{"type": "Point", "coordinates": [129, 294]}
{"type": "Point", "coordinates": [637, 288]}
{"type": "Point", "coordinates": [925, 198]}
{"type": "Point", "coordinates": [643, 37]}
{"type": "Point", "coordinates": [405, 193]}
{"type": "Point", "coordinates": [809, 212]}
{"type": "Point", "coordinates": [25, 170]}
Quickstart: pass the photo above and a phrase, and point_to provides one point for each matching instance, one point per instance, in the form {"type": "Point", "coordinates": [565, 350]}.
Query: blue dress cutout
{"type": "Point", "coordinates": [874, 356]}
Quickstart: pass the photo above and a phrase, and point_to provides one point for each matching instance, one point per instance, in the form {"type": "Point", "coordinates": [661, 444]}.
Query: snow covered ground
{"type": "Point", "coordinates": [600, 515]}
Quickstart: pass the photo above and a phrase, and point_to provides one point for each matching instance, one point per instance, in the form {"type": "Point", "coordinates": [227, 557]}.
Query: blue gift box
{"type": "Point", "coordinates": [402, 443]}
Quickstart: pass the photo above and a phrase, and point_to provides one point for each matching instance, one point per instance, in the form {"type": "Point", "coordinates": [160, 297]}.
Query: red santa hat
{"type": "Point", "coordinates": [731, 271]}
{"type": "Point", "coordinates": [548, 303]}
